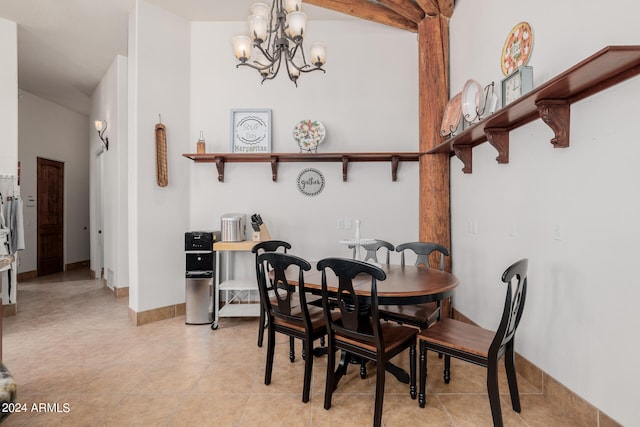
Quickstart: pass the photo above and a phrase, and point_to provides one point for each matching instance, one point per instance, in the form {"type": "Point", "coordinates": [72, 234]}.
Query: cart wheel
{"type": "Point", "coordinates": [214, 325]}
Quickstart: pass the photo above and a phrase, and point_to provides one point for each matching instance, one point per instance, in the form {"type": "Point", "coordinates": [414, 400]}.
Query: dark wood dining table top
{"type": "Point", "coordinates": [406, 284]}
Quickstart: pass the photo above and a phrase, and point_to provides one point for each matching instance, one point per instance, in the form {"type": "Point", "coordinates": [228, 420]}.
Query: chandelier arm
{"type": "Point", "coordinates": [259, 67]}
{"type": "Point", "coordinates": [292, 52]}
{"type": "Point", "coordinates": [277, 67]}
{"type": "Point", "coordinates": [270, 58]}
{"type": "Point", "coordinates": [245, 64]}
{"type": "Point", "coordinates": [313, 69]}
{"type": "Point", "coordinates": [274, 72]}
{"type": "Point", "coordinates": [271, 31]}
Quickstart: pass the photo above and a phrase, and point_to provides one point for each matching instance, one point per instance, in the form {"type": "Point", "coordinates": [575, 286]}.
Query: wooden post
{"type": "Point", "coordinates": [435, 212]}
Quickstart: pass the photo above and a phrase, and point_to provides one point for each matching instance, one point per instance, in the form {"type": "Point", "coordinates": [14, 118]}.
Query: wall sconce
{"type": "Point", "coordinates": [101, 126]}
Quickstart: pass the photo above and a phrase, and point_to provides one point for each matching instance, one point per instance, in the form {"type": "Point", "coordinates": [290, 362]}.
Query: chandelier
{"type": "Point", "coordinates": [276, 36]}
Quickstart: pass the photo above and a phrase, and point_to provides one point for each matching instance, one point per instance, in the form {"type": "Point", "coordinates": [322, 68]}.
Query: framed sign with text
{"type": "Point", "coordinates": [250, 131]}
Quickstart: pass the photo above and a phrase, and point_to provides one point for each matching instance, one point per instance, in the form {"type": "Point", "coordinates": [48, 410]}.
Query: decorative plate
{"type": "Point", "coordinates": [452, 115]}
{"type": "Point", "coordinates": [310, 182]}
{"type": "Point", "coordinates": [472, 100]}
{"type": "Point", "coordinates": [517, 48]}
{"type": "Point", "coordinates": [309, 134]}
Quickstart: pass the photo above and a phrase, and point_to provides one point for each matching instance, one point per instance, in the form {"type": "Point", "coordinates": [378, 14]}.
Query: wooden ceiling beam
{"type": "Point", "coordinates": [436, 7]}
{"type": "Point", "coordinates": [406, 8]}
{"type": "Point", "coordinates": [366, 10]}
{"type": "Point", "coordinates": [446, 8]}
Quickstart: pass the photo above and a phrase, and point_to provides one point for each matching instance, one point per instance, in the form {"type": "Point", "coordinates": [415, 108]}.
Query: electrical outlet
{"type": "Point", "coordinates": [348, 224]}
{"type": "Point", "coordinates": [558, 232]}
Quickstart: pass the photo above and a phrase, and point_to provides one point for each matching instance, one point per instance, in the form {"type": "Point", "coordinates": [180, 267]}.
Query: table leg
{"type": "Point", "coordinates": [398, 372]}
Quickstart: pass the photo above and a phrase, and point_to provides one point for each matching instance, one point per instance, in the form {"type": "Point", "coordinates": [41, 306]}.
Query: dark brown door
{"type": "Point", "coordinates": [50, 216]}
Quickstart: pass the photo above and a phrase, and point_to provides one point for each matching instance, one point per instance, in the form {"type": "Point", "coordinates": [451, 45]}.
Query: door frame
{"type": "Point", "coordinates": [99, 213]}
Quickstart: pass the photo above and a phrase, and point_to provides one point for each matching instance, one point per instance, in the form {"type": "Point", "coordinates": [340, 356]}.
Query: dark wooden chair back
{"type": "Point", "coordinates": [359, 316]}
{"type": "Point", "coordinates": [423, 250]}
{"type": "Point", "coordinates": [372, 250]}
{"type": "Point", "coordinates": [269, 246]}
{"type": "Point", "coordinates": [513, 306]}
{"type": "Point", "coordinates": [260, 248]}
{"type": "Point", "coordinates": [276, 264]}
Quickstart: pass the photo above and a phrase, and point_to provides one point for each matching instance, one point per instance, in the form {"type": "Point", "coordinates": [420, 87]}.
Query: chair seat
{"type": "Point", "coordinates": [316, 315]}
{"type": "Point", "coordinates": [394, 335]}
{"type": "Point", "coordinates": [421, 315]}
{"type": "Point", "coordinates": [460, 336]}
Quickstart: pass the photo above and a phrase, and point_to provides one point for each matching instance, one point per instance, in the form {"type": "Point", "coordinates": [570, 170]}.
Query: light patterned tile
{"type": "Point", "coordinates": [87, 353]}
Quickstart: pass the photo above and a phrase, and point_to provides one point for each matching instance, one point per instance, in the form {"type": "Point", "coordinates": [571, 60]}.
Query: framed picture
{"type": "Point", "coordinates": [250, 131]}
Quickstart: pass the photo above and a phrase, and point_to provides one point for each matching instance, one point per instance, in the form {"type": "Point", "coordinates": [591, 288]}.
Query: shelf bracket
{"type": "Point", "coordinates": [556, 113]}
{"type": "Point", "coordinates": [499, 138]}
{"type": "Point", "coordinates": [345, 166]}
{"type": "Point", "coordinates": [463, 152]}
{"type": "Point", "coordinates": [395, 161]}
{"type": "Point", "coordinates": [274, 168]}
{"type": "Point", "coordinates": [220, 166]}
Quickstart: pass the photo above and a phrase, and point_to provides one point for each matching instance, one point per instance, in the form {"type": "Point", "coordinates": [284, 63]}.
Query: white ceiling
{"type": "Point", "coordinates": [66, 46]}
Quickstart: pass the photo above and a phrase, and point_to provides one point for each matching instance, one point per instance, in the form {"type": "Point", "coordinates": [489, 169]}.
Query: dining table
{"type": "Point", "coordinates": [404, 285]}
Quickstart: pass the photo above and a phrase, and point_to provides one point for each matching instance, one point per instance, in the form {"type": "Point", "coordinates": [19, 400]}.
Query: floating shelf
{"type": "Point", "coordinates": [550, 102]}
{"type": "Point", "coordinates": [275, 158]}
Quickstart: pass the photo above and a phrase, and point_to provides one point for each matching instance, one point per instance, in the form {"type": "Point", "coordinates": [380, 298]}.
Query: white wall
{"type": "Point", "coordinates": [580, 320]}
{"type": "Point", "coordinates": [53, 132]}
{"type": "Point", "coordinates": [109, 102]}
{"type": "Point", "coordinates": [8, 115]}
{"type": "Point", "coordinates": [363, 108]}
{"type": "Point", "coordinates": [159, 76]}
{"type": "Point", "coordinates": [8, 97]}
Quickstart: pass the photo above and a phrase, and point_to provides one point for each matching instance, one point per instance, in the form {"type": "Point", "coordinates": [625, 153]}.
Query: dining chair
{"type": "Point", "coordinates": [371, 254]}
{"type": "Point", "coordinates": [372, 250]}
{"type": "Point", "coordinates": [360, 332]}
{"type": "Point", "coordinates": [418, 315]}
{"type": "Point", "coordinates": [286, 313]}
{"type": "Point", "coordinates": [480, 346]}
{"type": "Point", "coordinates": [259, 248]}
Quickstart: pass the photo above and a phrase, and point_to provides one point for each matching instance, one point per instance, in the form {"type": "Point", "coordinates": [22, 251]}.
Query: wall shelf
{"type": "Point", "coordinates": [550, 102]}
{"type": "Point", "coordinates": [275, 158]}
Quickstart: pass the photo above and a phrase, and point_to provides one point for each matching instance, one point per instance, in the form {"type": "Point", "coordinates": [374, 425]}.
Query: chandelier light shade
{"type": "Point", "coordinates": [242, 47]}
{"type": "Point", "coordinates": [276, 35]}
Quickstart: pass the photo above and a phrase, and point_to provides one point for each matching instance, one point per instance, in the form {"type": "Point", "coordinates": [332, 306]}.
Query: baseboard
{"type": "Point", "coordinates": [26, 276]}
{"type": "Point", "coordinates": [117, 292]}
{"type": "Point", "coordinates": [121, 292]}
{"type": "Point", "coordinates": [9, 310]}
{"type": "Point", "coordinates": [586, 413]}
{"type": "Point", "coordinates": [30, 275]}
{"type": "Point", "coordinates": [156, 314]}
{"type": "Point", "coordinates": [76, 265]}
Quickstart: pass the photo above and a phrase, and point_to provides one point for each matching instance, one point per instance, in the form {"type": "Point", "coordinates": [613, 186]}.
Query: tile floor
{"type": "Point", "coordinates": [72, 344]}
